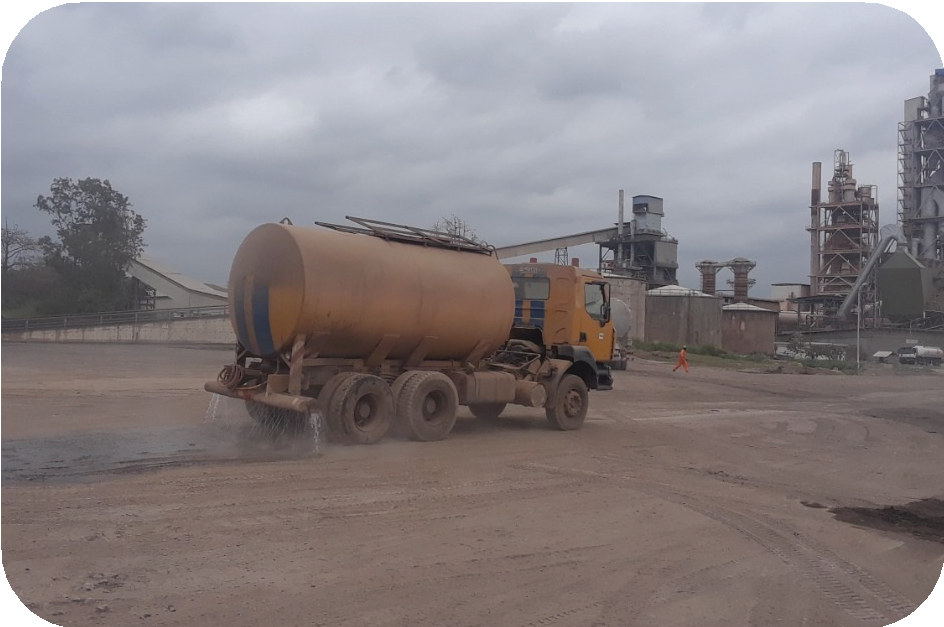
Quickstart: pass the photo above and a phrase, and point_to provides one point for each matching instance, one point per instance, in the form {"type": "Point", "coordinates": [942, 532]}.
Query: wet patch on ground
{"type": "Point", "coordinates": [93, 456]}
{"type": "Point", "coordinates": [922, 519]}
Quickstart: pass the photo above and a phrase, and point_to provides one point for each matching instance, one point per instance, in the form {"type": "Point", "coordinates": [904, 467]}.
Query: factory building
{"type": "Point", "coordinates": [920, 213]}
{"type": "Point", "coordinates": [921, 172]}
{"type": "Point", "coordinates": [641, 248]}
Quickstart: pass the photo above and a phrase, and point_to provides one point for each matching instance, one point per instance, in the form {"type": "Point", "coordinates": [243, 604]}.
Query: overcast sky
{"type": "Point", "coordinates": [525, 120]}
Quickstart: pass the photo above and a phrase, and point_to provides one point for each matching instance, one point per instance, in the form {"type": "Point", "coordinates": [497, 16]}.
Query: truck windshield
{"type": "Point", "coordinates": [532, 288]}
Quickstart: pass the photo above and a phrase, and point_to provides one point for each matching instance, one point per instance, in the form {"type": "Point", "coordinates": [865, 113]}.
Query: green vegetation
{"type": "Point", "coordinates": [82, 269]}
{"type": "Point", "coordinates": [701, 349]}
{"type": "Point", "coordinates": [848, 367]}
{"type": "Point", "coordinates": [709, 355]}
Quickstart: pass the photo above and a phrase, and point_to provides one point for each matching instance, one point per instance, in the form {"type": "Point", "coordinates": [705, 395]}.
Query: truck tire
{"type": "Point", "coordinates": [427, 404]}
{"type": "Point", "coordinates": [400, 428]}
{"type": "Point", "coordinates": [569, 409]}
{"type": "Point", "coordinates": [400, 381]}
{"type": "Point", "coordinates": [488, 412]}
{"type": "Point", "coordinates": [332, 425]}
{"type": "Point", "coordinates": [362, 407]}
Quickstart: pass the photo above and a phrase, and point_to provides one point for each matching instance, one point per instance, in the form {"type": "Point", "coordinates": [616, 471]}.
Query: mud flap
{"type": "Point", "coordinates": [604, 377]}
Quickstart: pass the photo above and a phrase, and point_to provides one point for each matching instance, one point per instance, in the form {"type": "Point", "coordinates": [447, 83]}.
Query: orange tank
{"type": "Point", "coordinates": [355, 293]}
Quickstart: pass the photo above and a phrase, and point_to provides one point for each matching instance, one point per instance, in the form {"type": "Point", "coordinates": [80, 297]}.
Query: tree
{"type": "Point", "coordinates": [19, 249]}
{"type": "Point", "coordinates": [98, 237]}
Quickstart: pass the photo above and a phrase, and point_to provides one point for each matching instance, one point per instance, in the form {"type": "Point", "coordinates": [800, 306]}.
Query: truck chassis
{"type": "Point", "coordinates": [361, 400]}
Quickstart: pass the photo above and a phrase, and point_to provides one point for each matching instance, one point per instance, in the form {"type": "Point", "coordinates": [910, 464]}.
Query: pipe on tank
{"type": "Point", "coordinates": [277, 400]}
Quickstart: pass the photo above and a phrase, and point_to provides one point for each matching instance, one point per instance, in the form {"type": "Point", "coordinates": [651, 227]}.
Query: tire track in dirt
{"type": "Point", "coordinates": [830, 427]}
{"type": "Point", "coordinates": [849, 587]}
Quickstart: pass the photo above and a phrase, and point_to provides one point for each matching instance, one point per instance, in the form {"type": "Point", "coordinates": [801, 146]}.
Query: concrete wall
{"type": "Point", "coordinates": [680, 320]}
{"type": "Point", "coordinates": [187, 331]}
{"type": "Point", "coordinates": [693, 320]}
{"type": "Point", "coordinates": [749, 332]}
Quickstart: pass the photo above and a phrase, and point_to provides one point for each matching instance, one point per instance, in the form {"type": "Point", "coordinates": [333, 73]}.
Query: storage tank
{"type": "Point", "coordinates": [787, 320]}
{"type": "Point", "coordinates": [929, 352]}
{"type": "Point", "coordinates": [622, 316]}
{"type": "Point", "coordinates": [351, 292]}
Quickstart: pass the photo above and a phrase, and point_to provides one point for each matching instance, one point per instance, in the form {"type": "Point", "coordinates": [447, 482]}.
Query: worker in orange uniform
{"type": "Point", "coordinates": [682, 360]}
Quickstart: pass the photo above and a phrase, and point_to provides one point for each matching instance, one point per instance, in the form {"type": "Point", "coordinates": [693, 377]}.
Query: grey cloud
{"type": "Point", "coordinates": [525, 120]}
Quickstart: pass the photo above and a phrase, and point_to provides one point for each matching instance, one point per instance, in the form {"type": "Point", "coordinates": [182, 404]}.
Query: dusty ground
{"type": "Point", "coordinates": [710, 498]}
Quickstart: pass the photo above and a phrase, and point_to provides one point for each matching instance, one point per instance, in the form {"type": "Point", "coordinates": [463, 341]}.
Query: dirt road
{"type": "Point", "coordinates": [132, 497]}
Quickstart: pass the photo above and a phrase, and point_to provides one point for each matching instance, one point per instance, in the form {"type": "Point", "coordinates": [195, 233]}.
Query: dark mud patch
{"type": "Point", "coordinates": [922, 519]}
{"type": "Point", "coordinates": [93, 456]}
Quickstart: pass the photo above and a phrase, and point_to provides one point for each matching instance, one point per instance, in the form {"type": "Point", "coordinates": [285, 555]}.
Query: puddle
{"type": "Point", "coordinates": [225, 434]}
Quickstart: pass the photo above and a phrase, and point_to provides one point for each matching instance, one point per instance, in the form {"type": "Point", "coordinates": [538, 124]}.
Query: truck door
{"type": "Point", "coordinates": [596, 330]}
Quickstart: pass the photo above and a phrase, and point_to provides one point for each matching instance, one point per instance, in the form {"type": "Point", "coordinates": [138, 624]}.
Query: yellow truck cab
{"type": "Point", "coordinates": [566, 310]}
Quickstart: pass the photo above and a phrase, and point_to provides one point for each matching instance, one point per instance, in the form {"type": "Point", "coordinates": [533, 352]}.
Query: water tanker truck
{"type": "Point", "coordinates": [379, 325]}
{"type": "Point", "coordinates": [921, 355]}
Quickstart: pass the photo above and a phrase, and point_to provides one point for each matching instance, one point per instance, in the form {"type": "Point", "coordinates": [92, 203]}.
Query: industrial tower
{"type": "Point", "coordinates": [741, 282]}
{"type": "Point", "coordinates": [843, 233]}
{"type": "Point", "coordinates": [921, 172]}
{"type": "Point", "coordinates": [642, 249]}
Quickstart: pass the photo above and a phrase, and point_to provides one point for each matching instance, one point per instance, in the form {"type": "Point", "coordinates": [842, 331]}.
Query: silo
{"type": "Point", "coordinates": [904, 286]}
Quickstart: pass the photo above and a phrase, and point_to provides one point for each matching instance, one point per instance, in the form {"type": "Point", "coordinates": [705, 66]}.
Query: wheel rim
{"type": "Point", "coordinates": [365, 412]}
{"type": "Point", "coordinates": [572, 403]}
{"type": "Point", "coordinates": [358, 408]}
{"type": "Point", "coordinates": [432, 407]}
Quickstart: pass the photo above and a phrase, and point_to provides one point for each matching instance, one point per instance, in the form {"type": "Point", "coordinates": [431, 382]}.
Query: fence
{"type": "Point", "coordinates": [112, 318]}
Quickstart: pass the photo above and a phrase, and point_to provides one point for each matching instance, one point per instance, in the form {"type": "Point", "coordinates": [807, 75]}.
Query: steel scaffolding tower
{"type": "Point", "coordinates": [921, 172]}
{"type": "Point", "coordinates": [843, 232]}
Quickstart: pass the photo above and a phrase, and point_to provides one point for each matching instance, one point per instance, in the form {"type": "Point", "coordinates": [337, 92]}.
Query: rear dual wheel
{"type": "Point", "coordinates": [427, 404]}
{"type": "Point", "coordinates": [359, 408]}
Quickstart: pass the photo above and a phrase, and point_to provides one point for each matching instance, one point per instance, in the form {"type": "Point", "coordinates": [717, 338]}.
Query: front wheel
{"type": "Point", "coordinates": [569, 408]}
